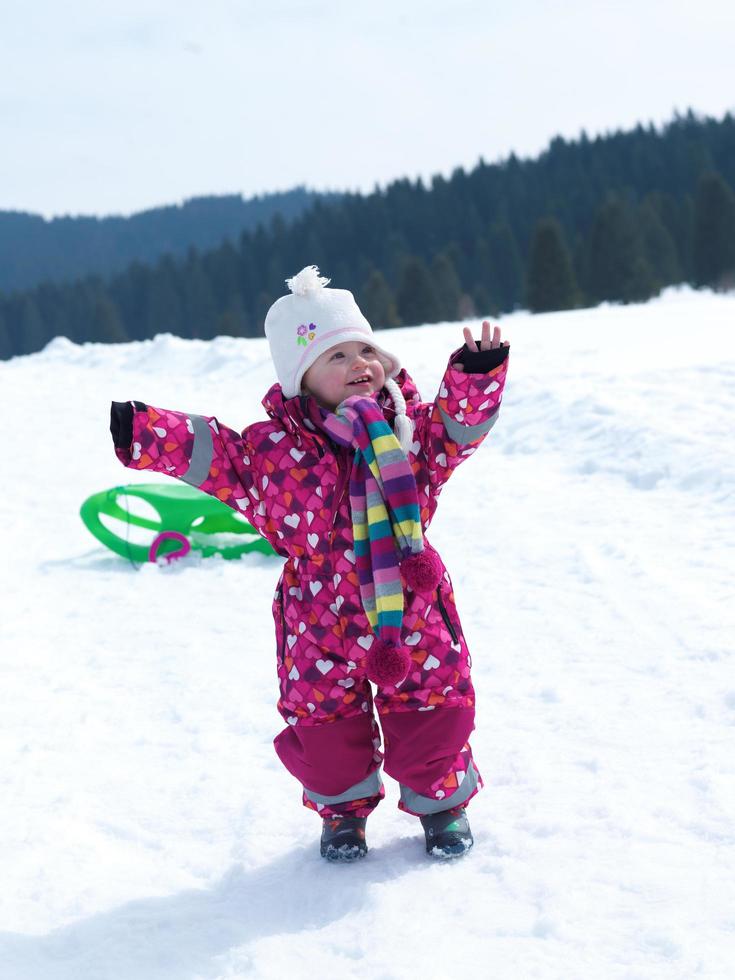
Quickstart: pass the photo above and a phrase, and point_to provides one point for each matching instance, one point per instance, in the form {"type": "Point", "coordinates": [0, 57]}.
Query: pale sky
{"type": "Point", "coordinates": [112, 107]}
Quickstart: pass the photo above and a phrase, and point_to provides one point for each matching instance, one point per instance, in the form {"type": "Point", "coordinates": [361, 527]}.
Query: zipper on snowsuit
{"type": "Point", "coordinates": [282, 647]}
{"type": "Point", "coordinates": [338, 495]}
{"type": "Point", "coordinates": [317, 440]}
{"type": "Point", "coordinates": [344, 474]}
{"type": "Point", "coordinates": [445, 615]}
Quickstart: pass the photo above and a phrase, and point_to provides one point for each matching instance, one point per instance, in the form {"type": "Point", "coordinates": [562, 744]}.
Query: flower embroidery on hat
{"type": "Point", "coordinates": [304, 334]}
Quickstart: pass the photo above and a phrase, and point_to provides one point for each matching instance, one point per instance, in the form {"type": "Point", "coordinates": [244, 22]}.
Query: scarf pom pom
{"type": "Point", "coordinates": [423, 571]}
{"type": "Point", "coordinates": [386, 664]}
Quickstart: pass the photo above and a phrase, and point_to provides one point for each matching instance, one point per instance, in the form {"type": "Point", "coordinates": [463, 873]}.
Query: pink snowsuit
{"type": "Point", "coordinates": [291, 482]}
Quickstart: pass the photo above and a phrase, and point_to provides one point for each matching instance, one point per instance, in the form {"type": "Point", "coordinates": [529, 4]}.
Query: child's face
{"type": "Point", "coordinates": [331, 377]}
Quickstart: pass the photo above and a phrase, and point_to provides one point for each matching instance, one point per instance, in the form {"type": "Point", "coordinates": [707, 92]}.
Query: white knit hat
{"type": "Point", "coordinates": [309, 321]}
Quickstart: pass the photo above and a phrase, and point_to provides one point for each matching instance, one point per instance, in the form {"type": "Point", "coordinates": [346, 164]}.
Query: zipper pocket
{"type": "Point", "coordinates": [445, 615]}
{"type": "Point", "coordinates": [342, 479]}
{"type": "Point", "coordinates": [282, 648]}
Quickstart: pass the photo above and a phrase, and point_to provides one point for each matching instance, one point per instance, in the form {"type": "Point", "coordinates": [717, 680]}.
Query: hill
{"type": "Point", "coordinates": [616, 218]}
{"type": "Point", "coordinates": [34, 249]}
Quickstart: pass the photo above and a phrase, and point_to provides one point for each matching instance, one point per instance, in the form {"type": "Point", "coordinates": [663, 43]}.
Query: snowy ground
{"type": "Point", "coordinates": [147, 829]}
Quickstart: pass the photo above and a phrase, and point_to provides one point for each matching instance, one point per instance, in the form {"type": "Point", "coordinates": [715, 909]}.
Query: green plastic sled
{"type": "Point", "coordinates": [209, 526]}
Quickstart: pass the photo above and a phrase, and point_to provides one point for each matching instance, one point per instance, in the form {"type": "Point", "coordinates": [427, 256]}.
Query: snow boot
{"type": "Point", "coordinates": [343, 838]}
{"type": "Point", "coordinates": [447, 833]}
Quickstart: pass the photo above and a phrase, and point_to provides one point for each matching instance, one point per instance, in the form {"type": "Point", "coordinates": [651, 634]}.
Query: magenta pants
{"type": "Point", "coordinates": [427, 752]}
{"type": "Point", "coordinates": [332, 742]}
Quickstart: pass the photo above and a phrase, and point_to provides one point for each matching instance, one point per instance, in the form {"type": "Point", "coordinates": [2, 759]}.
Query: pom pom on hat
{"type": "Point", "coordinates": [307, 281]}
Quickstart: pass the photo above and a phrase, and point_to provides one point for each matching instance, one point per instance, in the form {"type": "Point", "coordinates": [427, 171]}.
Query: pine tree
{"type": "Point", "coordinates": [234, 321]}
{"type": "Point", "coordinates": [506, 284]}
{"type": "Point", "coordinates": [278, 249]}
{"type": "Point", "coordinates": [447, 287]}
{"type": "Point", "coordinates": [685, 242]}
{"type": "Point", "coordinates": [580, 264]}
{"type": "Point", "coordinates": [714, 233]}
{"type": "Point", "coordinates": [483, 302]}
{"type": "Point", "coordinates": [199, 308]}
{"type": "Point", "coordinates": [551, 282]}
{"type": "Point", "coordinates": [225, 274]}
{"type": "Point", "coordinates": [164, 312]}
{"type": "Point", "coordinates": [106, 326]}
{"type": "Point", "coordinates": [263, 302]}
{"type": "Point", "coordinates": [392, 256]}
{"type": "Point", "coordinates": [675, 216]}
{"type": "Point", "coordinates": [484, 277]}
{"type": "Point", "coordinates": [33, 334]}
{"type": "Point", "coordinates": [466, 308]}
{"type": "Point", "coordinates": [278, 272]}
{"type": "Point", "coordinates": [416, 298]}
{"type": "Point", "coordinates": [618, 270]}
{"type": "Point", "coordinates": [73, 318]}
{"type": "Point", "coordinates": [378, 303]}
{"type": "Point", "coordinates": [658, 247]}
{"type": "Point", "coordinates": [6, 349]}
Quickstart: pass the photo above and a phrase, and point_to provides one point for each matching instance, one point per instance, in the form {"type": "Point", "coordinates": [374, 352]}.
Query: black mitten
{"type": "Point", "coordinates": [481, 361]}
{"type": "Point", "coordinates": [121, 422]}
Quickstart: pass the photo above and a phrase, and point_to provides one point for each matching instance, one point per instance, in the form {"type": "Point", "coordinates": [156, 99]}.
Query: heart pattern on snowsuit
{"type": "Point", "coordinates": [289, 480]}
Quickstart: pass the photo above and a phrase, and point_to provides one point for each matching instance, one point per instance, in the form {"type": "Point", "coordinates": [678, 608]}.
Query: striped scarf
{"type": "Point", "coordinates": [386, 519]}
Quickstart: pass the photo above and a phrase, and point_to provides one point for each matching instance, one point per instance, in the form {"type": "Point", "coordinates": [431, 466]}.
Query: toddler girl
{"type": "Point", "coordinates": [343, 479]}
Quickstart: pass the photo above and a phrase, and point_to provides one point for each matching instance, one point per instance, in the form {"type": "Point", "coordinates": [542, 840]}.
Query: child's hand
{"type": "Point", "coordinates": [485, 342]}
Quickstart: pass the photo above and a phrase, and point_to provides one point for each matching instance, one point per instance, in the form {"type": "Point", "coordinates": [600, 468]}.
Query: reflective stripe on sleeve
{"type": "Point", "coordinates": [201, 454]}
{"type": "Point", "coordinates": [462, 434]}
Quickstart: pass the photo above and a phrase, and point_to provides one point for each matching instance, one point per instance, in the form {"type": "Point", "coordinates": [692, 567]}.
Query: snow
{"type": "Point", "coordinates": [148, 829]}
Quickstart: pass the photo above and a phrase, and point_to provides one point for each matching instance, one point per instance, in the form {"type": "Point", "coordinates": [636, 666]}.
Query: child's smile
{"type": "Point", "coordinates": [350, 368]}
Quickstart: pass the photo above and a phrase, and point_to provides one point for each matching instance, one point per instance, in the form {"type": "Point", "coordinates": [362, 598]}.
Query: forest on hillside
{"type": "Point", "coordinates": [615, 218]}
{"type": "Point", "coordinates": [34, 249]}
